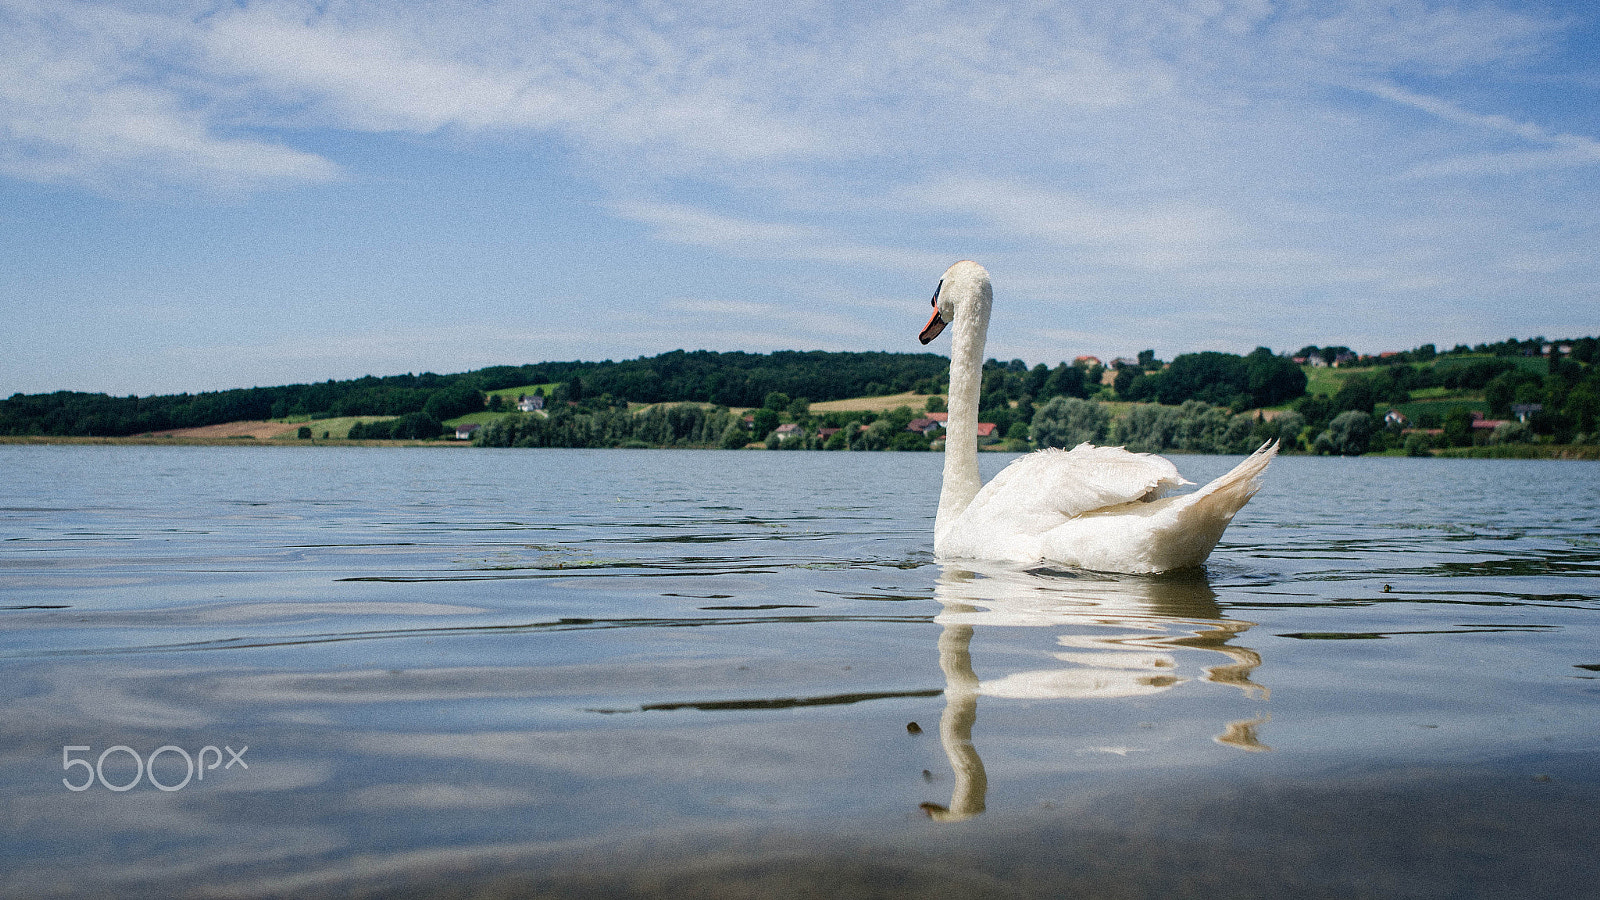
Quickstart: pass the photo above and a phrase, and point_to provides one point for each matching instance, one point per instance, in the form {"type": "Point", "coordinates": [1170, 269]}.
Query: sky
{"type": "Point", "coordinates": [199, 195]}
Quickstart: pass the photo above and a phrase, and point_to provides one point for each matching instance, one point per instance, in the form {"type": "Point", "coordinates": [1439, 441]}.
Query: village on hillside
{"type": "Point", "coordinates": [1532, 397]}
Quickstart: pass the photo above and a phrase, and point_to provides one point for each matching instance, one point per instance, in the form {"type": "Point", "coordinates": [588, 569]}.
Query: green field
{"type": "Point", "coordinates": [336, 429]}
{"type": "Point", "coordinates": [1535, 365]}
{"type": "Point", "coordinates": [1436, 401]}
{"type": "Point", "coordinates": [1324, 380]}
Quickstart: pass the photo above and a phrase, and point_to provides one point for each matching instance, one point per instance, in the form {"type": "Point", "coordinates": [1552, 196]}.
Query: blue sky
{"type": "Point", "coordinates": [196, 196]}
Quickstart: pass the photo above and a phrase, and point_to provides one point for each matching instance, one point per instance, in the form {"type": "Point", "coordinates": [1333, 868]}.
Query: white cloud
{"type": "Point", "coordinates": [699, 89]}
{"type": "Point", "coordinates": [1224, 167]}
{"type": "Point", "coordinates": [77, 103]}
{"type": "Point", "coordinates": [1137, 234]}
{"type": "Point", "coordinates": [1367, 36]}
{"type": "Point", "coordinates": [754, 238]}
{"type": "Point", "coordinates": [1552, 150]}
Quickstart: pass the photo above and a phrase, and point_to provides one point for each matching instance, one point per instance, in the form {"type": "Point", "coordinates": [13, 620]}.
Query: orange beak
{"type": "Point", "coordinates": [932, 329]}
{"type": "Point", "coordinates": [935, 324]}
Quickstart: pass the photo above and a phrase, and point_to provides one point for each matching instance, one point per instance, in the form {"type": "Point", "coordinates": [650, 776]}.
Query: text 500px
{"type": "Point", "coordinates": [128, 767]}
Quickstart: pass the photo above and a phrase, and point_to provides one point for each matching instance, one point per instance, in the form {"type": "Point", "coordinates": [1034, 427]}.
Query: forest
{"type": "Point", "coordinates": [728, 379]}
{"type": "Point", "coordinates": [1320, 400]}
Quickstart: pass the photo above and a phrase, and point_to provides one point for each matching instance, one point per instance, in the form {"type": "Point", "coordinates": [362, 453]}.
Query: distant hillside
{"type": "Point", "coordinates": [729, 379]}
{"type": "Point", "coordinates": [1555, 380]}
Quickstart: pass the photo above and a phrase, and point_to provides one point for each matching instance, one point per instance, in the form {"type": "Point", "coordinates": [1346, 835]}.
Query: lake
{"type": "Point", "coordinates": [318, 671]}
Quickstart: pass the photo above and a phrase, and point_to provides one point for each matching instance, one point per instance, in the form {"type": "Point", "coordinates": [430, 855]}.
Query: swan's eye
{"type": "Point", "coordinates": [936, 291]}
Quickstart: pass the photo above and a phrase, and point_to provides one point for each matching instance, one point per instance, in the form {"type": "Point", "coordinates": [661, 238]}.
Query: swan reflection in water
{"type": "Point", "coordinates": [1121, 638]}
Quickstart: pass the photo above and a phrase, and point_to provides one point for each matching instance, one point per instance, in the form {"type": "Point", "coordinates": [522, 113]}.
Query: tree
{"type": "Point", "coordinates": [1068, 422]}
{"type": "Point", "coordinates": [1271, 380]}
{"type": "Point", "coordinates": [1350, 433]}
{"type": "Point", "coordinates": [1124, 381]}
{"type": "Point", "coordinates": [1037, 377]}
{"type": "Point", "coordinates": [1147, 428]}
{"type": "Point", "coordinates": [1458, 427]}
{"type": "Point", "coordinates": [1582, 407]}
{"type": "Point", "coordinates": [1285, 429]}
{"type": "Point", "coordinates": [456, 400]}
{"type": "Point", "coordinates": [1357, 394]}
{"type": "Point", "coordinates": [766, 421]}
{"type": "Point", "coordinates": [1586, 350]}
{"type": "Point", "coordinates": [1223, 379]}
{"type": "Point", "coordinates": [1065, 381]}
{"type": "Point", "coordinates": [1418, 444]}
{"type": "Point", "coordinates": [417, 426]}
{"type": "Point", "coordinates": [1511, 433]}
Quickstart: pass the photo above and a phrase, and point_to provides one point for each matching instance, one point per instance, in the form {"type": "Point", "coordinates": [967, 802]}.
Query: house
{"type": "Point", "coordinates": [986, 432]}
{"type": "Point", "coordinates": [1396, 418]}
{"type": "Point", "coordinates": [941, 418]}
{"type": "Point", "coordinates": [1523, 410]}
{"type": "Point", "coordinates": [925, 426]}
{"type": "Point", "coordinates": [465, 432]}
{"type": "Point", "coordinates": [526, 403]}
{"type": "Point", "coordinates": [790, 430]}
{"type": "Point", "coordinates": [826, 434]}
{"type": "Point", "coordinates": [1086, 361]}
{"type": "Point", "coordinates": [1481, 423]}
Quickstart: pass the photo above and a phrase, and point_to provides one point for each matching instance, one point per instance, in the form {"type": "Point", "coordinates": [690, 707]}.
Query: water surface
{"type": "Point", "coordinates": [699, 673]}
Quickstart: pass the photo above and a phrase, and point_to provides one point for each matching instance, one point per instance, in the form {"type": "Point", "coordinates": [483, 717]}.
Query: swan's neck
{"type": "Point", "coordinates": [969, 331]}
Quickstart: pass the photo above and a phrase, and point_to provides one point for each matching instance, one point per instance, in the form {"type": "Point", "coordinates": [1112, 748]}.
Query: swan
{"type": "Point", "coordinates": [1098, 508]}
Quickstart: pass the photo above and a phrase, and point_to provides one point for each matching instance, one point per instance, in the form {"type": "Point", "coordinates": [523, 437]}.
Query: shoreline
{"type": "Point", "coordinates": [145, 440]}
{"type": "Point", "coordinates": [1562, 452]}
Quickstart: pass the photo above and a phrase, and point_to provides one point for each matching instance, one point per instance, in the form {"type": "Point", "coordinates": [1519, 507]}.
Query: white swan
{"type": "Point", "coordinates": [1099, 508]}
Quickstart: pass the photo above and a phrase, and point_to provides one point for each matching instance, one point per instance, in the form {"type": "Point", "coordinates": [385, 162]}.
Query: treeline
{"type": "Point", "coordinates": [745, 379]}
{"type": "Point", "coordinates": [1534, 391]}
{"type": "Point", "coordinates": [694, 425]}
{"type": "Point", "coordinates": [1552, 399]}
{"type": "Point", "coordinates": [71, 413]}
{"type": "Point", "coordinates": [1582, 348]}
{"type": "Point", "coordinates": [731, 379]}
{"type": "Point", "coordinates": [1193, 427]}
{"type": "Point", "coordinates": [1012, 392]}
{"type": "Point", "coordinates": [1217, 379]}
{"type": "Point", "coordinates": [683, 425]}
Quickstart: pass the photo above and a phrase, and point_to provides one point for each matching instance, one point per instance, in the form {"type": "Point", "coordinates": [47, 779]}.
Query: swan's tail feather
{"type": "Point", "coordinates": [1162, 535]}
{"type": "Point", "coordinates": [1235, 489]}
{"type": "Point", "coordinates": [1205, 514]}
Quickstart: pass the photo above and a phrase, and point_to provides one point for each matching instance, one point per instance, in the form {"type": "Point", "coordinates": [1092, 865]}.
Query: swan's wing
{"type": "Point", "coordinates": [1084, 479]}
{"type": "Point", "coordinates": [1041, 490]}
{"type": "Point", "coordinates": [1170, 533]}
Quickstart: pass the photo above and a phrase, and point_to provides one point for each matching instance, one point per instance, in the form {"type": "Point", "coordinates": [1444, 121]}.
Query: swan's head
{"type": "Point", "coordinates": [964, 285]}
